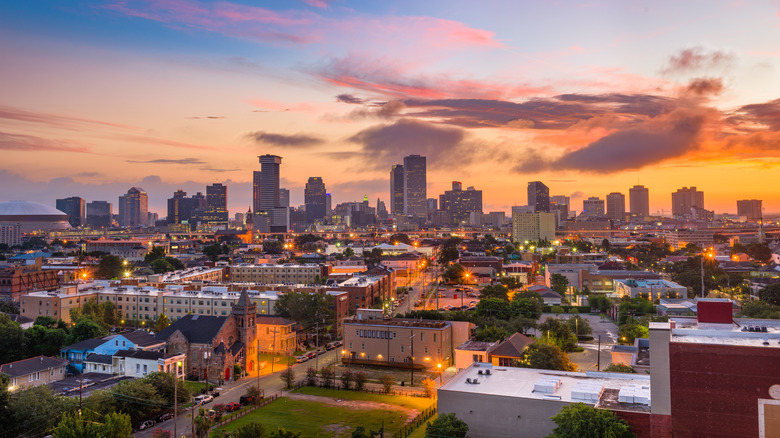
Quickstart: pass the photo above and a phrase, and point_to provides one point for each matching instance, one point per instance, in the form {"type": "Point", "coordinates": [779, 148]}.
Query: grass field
{"type": "Point", "coordinates": [319, 412]}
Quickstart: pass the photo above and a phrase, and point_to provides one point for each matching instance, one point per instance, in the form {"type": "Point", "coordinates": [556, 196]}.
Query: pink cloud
{"type": "Point", "coordinates": [317, 3]}
{"type": "Point", "coordinates": [30, 143]}
{"type": "Point", "coordinates": [56, 120]}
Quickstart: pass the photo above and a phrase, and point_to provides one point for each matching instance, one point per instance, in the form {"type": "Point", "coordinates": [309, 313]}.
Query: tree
{"type": "Point", "coordinates": [284, 433]}
{"type": "Point", "coordinates": [161, 323]}
{"type": "Point", "coordinates": [164, 385]}
{"type": "Point", "coordinates": [250, 430]}
{"type": "Point", "coordinates": [373, 257]}
{"type": "Point", "coordinates": [254, 392]}
{"type": "Point", "coordinates": [42, 341]}
{"type": "Point", "coordinates": [306, 308]}
{"type": "Point", "coordinates": [85, 329]}
{"type": "Point", "coordinates": [361, 432]}
{"type": "Point", "coordinates": [156, 253]}
{"type": "Point", "coordinates": [349, 252]}
{"type": "Point", "coordinates": [8, 307]}
{"type": "Point", "coordinates": [401, 238]}
{"type": "Point", "coordinates": [36, 409]}
{"type": "Point", "coordinates": [12, 340]}
{"type": "Point", "coordinates": [161, 266]}
{"type": "Point", "coordinates": [526, 307]}
{"type": "Point", "coordinates": [619, 368]}
{"type": "Point", "coordinates": [446, 425]}
{"type": "Point", "coordinates": [770, 294]}
{"type": "Point", "coordinates": [387, 381]}
{"type": "Point", "coordinates": [760, 309]}
{"type": "Point", "coordinates": [600, 302]}
{"type": "Point", "coordinates": [579, 420]}
{"type": "Point", "coordinates": [311, 376]}
{"type": "Point", "coordinates": [114, 425]}
{"type": "Point", "coordinates": [558, 333]}
{"type": "Point", "coordinates": [288, 377]}
{"type": "Point", "coordinates": [494, 307]}
{"type": "Point", "coordinates": [202, 423]}
{"type": "Point", "coordinates": [360, 380]}
{"type": "Point", "coordinates": [428, 386]}
{"type": "Point", "coordinates": [559, 283]}
{"type": "Point", "coordinates": [760, 252]}
{"type": "Point", "coordinates": [110, 266]}
{"type": "Point", "coordinates": [490, 333]}
{"type": "Point", "coordinates": [544, 356]}
{"type": "Point", "coordinates": [628, 332]}
{"type": "Point", "coordinates": [454, 274]}
{"type": "Point", "coordinates": [495, 291]}
{"type": "Point", "coordinates": [346, 379]}
{"type": "Point", "coordinates": [126, 394]}
{"type": "Point", "coordinates": [327, 374]}
{"type": "Point", "coordinates": [605, 245]}
{"type": "Point", "coordinates": [213, 251]}
{"type": "Point", "coordinates": [579, 325]}
{"type": "Point", "coordinates": [448, 255]}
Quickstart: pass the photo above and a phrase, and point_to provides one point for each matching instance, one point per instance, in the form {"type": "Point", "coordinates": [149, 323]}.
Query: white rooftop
{"type": "Point", "coordinates": [744, 332]}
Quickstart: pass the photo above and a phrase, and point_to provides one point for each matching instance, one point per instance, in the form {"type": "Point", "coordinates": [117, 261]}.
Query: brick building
{"type": "Point", "coordinates": [19, 280]}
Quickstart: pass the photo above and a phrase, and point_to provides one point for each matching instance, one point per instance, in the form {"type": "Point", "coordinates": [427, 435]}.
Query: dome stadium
{"type": "Point", "coordinates": [32, 216]}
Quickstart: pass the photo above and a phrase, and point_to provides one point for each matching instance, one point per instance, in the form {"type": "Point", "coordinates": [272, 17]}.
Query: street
{"type": "Point", "coordinates": [270, 384]}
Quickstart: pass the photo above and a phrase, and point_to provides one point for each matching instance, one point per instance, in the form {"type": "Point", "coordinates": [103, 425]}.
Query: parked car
{"type": "Point", "coordinates": [311, 354]}
{"type": "Point", "coordinates": [230, 407]}
{"type": "Point", "coordinates": [338, 343]}
{"type": "Point", "coordinates": [330, 345]}
{"type": "Point", "coordinates": [216, 392]}
{"type": "Point", "coordinates": [164, 417]}
{"type": "Point", "coordinates": [203, 399]}
{"type": "Point", "coordinates": [473, 303]}
{"type": "Point", "coordinates": [301, 359]}
{"type": "Point", "coordinates": [146, 424]}
{"type": "Point", "coordinates": [246, 399]}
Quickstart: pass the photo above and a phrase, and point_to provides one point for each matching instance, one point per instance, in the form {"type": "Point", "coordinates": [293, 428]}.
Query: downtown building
{"type": "Point", "coordinates": [459, 203]}
{"type": "Point", "coordinates": [532, 226]}
{"type": "Point", "coordinates": [639, 201]}
{"type": "Point", "coordinates": [270, 215]}
{"type": "Point", "coordinates": [539, 197]}
{"type": "Point", "coordinates": [616, 206]}
{"type": "Point", "coordinates": [751, 209]}
{"type": "Point", "coordinates": [415, 187]}
{"type": "Point", "coordinates": [134, 208]}
{"type": "Point", "coordinates": [76, 210]}
{"type": "Point", "coordinates": [314, 196]}
{"type": "Point", "coordinates": [99, 214]}
{"type": "Point", "coordinates": [685, 201]}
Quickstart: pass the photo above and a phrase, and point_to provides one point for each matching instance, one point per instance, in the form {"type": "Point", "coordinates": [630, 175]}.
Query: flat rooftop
{"type": "Point", "coordinates": [616, 391]}
{"type": "Point", "coordinates": [746, 332]}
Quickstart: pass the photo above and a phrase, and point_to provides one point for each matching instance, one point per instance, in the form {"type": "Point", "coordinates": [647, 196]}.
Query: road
{"type": "Point", "coordinates": [417, 289]}
{"type": "Point", "coordinates": [270, 383]}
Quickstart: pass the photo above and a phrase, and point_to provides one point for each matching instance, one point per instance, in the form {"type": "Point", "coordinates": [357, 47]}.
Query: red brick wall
{"type": "Point", "coordinates": [714, 312]}
{"type": "Point", "coordinates": [715, 388]}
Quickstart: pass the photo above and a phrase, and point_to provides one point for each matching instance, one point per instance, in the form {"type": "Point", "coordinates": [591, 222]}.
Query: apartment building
{"type": "Point", "coordinates": [278, 274]}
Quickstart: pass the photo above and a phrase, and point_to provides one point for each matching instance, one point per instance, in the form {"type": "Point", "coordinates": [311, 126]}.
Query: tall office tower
{"type": "Point", "coordinates": [539, 196]}
{"type": "Point", "coordinates": [559, 205]}
{"type": "Point", "coordinates": [431, 204]}
{"type": "Point", "coordinates": [639, 200]}
{"type": "Point", "coordinates": [459, 204]}
{"type": "Point", "coordinates": [315, 198]}
{"type": "Point", "coordinates": [616, 206]}
{"type": "Point", "coordinates": [179, 208]}
{"type": "Point", "coordinates": [266, 196]}
{"type": "Point", "coordinates": [684, 199]}
{"type": "Point", "coordinates": [284, 198]}
{"type": "Point", "coordinates": [750, 208]}
{"type": "Point", "coordinates": [328, 204]}
{"type": "Point", "coordinates": [381, 210]}
{"type": "Point", "coordinates": [257, 177]}
{"type": "Point", "coordinates": [134, 208]}
{"type": "Point", "coordinates": [75, 208]}
{"type": "Point", "coordinates": [99, 214]}
{"type": "Point", "coordinates": [415, 186]}
{"type": "Point", "coordinates": [592, 207]}
{"type": "Point", "coordinates": [198, 201]}
{"type": "Point", "coordinates": [532, 226]}
{"type": "Point", "coordinates": [216, 212]}
{"type": "Point", "coordinates": [397, 189]}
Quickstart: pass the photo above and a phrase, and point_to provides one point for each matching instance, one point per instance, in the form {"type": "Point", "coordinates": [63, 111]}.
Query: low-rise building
{"type": "Point", "coordinates": [472, 351]}
{"type": "Point", "coordinates": [649, 289]}
{"type": "Point", "coordinates": [510, 350]}
{"type": "Point", "coordinates": [36, 371]}
{"type": "Point", "coordinates": [196, 273]}
{"type": "Point", "coordinates": [19, 280]}
{"type": "Point", "coordinates": [139, 363]}
{"type": "Point", "coordinates": [288, 273]}
{"type": "Point", "coordinates": [276, 335]}
{"type": "Point", "coordinates": [133, 250]}
{"type": "Point", "coordinates": [76, 354]}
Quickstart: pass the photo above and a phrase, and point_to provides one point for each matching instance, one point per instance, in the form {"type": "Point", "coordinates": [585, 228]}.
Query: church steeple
{"type": "Point", "coordinates": [245, 311]}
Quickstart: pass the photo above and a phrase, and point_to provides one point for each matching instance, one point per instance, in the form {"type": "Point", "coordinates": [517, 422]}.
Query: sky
{"type": "Point", "coordinates": [590, 97]}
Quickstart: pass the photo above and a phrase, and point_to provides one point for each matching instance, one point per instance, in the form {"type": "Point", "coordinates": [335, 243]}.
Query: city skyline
{"type": "Point", "coordinates": [180, 95]}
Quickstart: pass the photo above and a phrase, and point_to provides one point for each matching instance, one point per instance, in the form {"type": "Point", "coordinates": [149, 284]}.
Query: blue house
{"type": "Point", "coordinates": [108, 345]}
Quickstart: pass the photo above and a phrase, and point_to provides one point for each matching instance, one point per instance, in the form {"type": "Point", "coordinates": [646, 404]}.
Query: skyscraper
{"type": "Point", "coordinates": [532, 226]}
{"type": "Point", "coordinates": [616, 206]}
{"type": "Point", "coordinates": [639, 200]}
{"type": "Point", "coordinates": [686, 198]}
{"type": "Point", "coordinates": [592, 207]}
{"type": "Point", "coordinates": [750, 208]}
{"type": "Point", "coordinates": [179, 208]}
{"type": "Point", "coordinates": [134, 208]}
{"type": "Point", "coordinates": [276, 217]}
{"type": "Point", "coordinates": [460, 203]}
{"type": "Point", "coordinates": [75, 208]}
{"type": "Point", "coordinates": [314, 197]}
{"type": "Point", "coordinates": [99, 214]}
{"type": "Point", "coordinates": [539, 196]}
{"type": "Point", "coordinates": [216, 212]}
{"type": "Point", "coordinates": [328, 204]}
{"type": "Point", "coordinates": [397, 189]}
{"type": "Point", "coordinates": [415, 186]}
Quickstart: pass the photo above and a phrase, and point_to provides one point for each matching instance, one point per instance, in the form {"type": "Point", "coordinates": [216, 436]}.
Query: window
{"type": "Point", "coordinates": [144, 369]}
{"type": "Point", "coordinates": [422, 337]}
{"type": "Point", "coordinates": [137, 368]}
{"type": "Point", "coordinates": [116, 343]}
{"type": "Point", "coordinates": [426, 350]}
{"type": "Point", "coordinates": [402, 348]}
{"type": "Point", "coordinates": [477, 358]}
{"type": "Point", "coordinates": [350, 345]}
{"type": "Point", "coordinates": [363, 346]}
{"type": "Point", "coordinates": [434, 337]}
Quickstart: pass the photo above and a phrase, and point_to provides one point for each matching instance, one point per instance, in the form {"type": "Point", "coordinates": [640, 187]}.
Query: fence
{"type": "Point", "coordinates": [301, 383]}
{"type": "Point", "coordinates": [232, 416]}
{"type": "Point", "coordinates": [416, 422]}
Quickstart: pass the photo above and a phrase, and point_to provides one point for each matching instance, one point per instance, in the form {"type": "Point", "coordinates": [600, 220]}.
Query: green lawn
{"type": "Point", "coordinates": [266, 357]}
{"type": "Point", "coordinates": [420, 431]}
{"type": "Point", "coordinates": [194, 387]}
{"type": "Point", "coordinates": [314, 419]}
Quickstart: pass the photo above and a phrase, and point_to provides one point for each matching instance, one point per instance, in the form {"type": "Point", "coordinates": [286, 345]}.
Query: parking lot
{"type": "Point", "coordinates": [91, 382]}
{"type": "Point", "coordinates": [451, 298]}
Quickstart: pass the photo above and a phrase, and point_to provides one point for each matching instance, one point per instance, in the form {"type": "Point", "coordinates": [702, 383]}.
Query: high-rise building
{"type": "Point", "coordinates": [266, 197]}
{"type": "Point", "coordinates": [559, 205]}
{"type": "Point", "coordinates": [134, 208]}
{"type": "Point", "coordinates": [99, 214]}
{"type": "Point", "coordinates": [315, 198]}
{"type": "Point", "coordinates": [616, 206]}
{"type": "Point", "coordinates": [431, 204]}
{"type": "Point", "coordinates": [284, 197]}
{"type": "Point", "coordinates": [684, 199]}
{"type": "Point", "coordinates": [750, 208]}
{"type": "Point", "coordinates": [75, 208]}
{"type": "Point", "coordinates": [592, 207]}
{"type": "Point", "coordinates": [397, 189]}
{"type": "Point", "coordinates": [459, 204]}
{"type": "Point", "coordinates": [639, 200]}
{"type": "Point", "coordinates": [539, 196]}
{"type": "Point", "coordinates": [179, 208]}
{"type": "Point", "coordinates": [415, 186]}
{"type": "Point", "coordinates": [381, 210]}
{"type": "Point", "coordinates": [328, 204]}
{"type": "Point", "coordinates": [216, 213]}
{"type": "Point", "coordinates": [533, 226]}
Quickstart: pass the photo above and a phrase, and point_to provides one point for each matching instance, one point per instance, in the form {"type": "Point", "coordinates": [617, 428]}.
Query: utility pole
{"type": "Point", "coordinates": [81, 387]}
{"type": "Point", "coordinates": [412, 356]}
{"type": "Point", "coordinates": [598, 363]}
{"type": "Point", "coordinates": [175, 399]}
{"type": "Point", "coordinates": [258, 365]}
{"type": "Point", "coordinates": [317, 346]}
{"type": "Point", "coordinates": [273, 350]}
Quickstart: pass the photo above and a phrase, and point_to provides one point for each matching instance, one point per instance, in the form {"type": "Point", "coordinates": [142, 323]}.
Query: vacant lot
{"type": "Point", "coordinates": [319, 412]}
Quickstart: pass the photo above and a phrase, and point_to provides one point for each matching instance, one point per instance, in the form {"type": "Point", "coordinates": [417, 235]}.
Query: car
{"type": "Point", "coordinates": [246, 399]}
{"type": "Point", "coordinates": [330, 346]}
{"type": "Point", "coordinates": [146, 424]}
{"type": "Point", "coordinates": [338, 343]}
{"type": "Point", "coordinates": [203, 399]}
{"type": "Point", "coordinates": [230, 407]}
{"type": "Point", "coordinates": [164, 417]}
{"type": "Point", "coordinates": [301, 359]}
{"type": "Point", "coordinates": [442, 289]}
{"type": "Point", "coordinates": [473, 303]}
{"type": "Point", "coordinates": [216, 392]}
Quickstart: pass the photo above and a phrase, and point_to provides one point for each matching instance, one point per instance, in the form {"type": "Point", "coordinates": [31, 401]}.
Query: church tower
{"type": "Point", "coordinates": [244, 312]}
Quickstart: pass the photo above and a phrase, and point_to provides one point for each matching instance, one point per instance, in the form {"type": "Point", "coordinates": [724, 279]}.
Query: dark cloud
{"type": "Point", "coordinates": [31, 143]}
{"type": "Point", "coordinates": [705, 86]}
{"type": "Point", "coordinates": [383, 110]}
{"type": "Point", "coordinates": [211, 169]}
{"type": "Point", "coordinates": [757, 117]}
{"type": "Point", "coordinates": [385, 145]}
{"type": "Point", "coordinates": [206, 117]}
{"type": "Point", "coordinates": [697, 59]}
{"type": "Point", "coordinates": [296, 141]}
{"type": "Point", "coordinates": [88, 174]}
{"type": "Point", "coordinates": [169, 161]}
{"type": "Point", "coordinates": [633, 148]}
{"type": "Point", "coordinates": [348, 98]}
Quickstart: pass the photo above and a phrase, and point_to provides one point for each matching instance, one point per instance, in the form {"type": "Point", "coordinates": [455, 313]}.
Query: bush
{"type": "Point", "coordinates": [327, 374]}
{"type": "Point", "coordinates": [288, 377]}
{"type": "Point", "coordinates": [446, 425]}
{"type": "Point", "coordinates": [619, 368]}
{"type": "Point", "coordinates": [579, 420]}
{"type": "Point", "coordinates": [346, 379]}
{"type": "Point", "coordinates": [387, 382]}
{"type": "Point", "coordinates": [311, 377]}
{"type": "Point", "coordinates": [360, 380]}
{"type": "Point", "coordinates": [428, 386]}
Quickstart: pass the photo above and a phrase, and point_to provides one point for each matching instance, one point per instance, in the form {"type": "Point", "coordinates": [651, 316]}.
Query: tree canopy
{"type": "Point", "coordinates": [446, 425]}
{"type": "Point", "coordinates": [579, 420]}
{"type": "Point", "coordinates": [770, 294]}
{"type": "Point", "coordinates": [544, 356]}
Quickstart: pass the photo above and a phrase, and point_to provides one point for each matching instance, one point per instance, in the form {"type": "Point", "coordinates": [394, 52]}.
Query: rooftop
{"type": "Point", "coordinates": [32, 365]}
{"type": "Point", "coordinates": [399, 322]}
{"type": "Point", "coordinates": [764, 333]}
{"type": "Point", "coordinates": [600, 389]}
{"type": "Point", "coordinates": [475, 346]}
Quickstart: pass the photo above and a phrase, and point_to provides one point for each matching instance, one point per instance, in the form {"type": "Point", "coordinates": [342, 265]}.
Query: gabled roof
{"type": "Point", "coordinates": [140, 354]}
{"type": "Point", "coordinates": [198, 329]}
{"type": "Point", "coordinates": [141, 338]}
{"type": "Point", "coordinates": [19, 318]}
{"type": "Point", "coordinates": [88, 344]}
{"type": "Point", "coordinates": [32, 365]}
{"type": "Point", "coordinates": [513, 346]}
{"type": "Point", "coordinates": [236, 348]}
{"type": "Point", "coordinates": [99, 358]}
{"type": "Point", "coordinates": [273, 320]}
